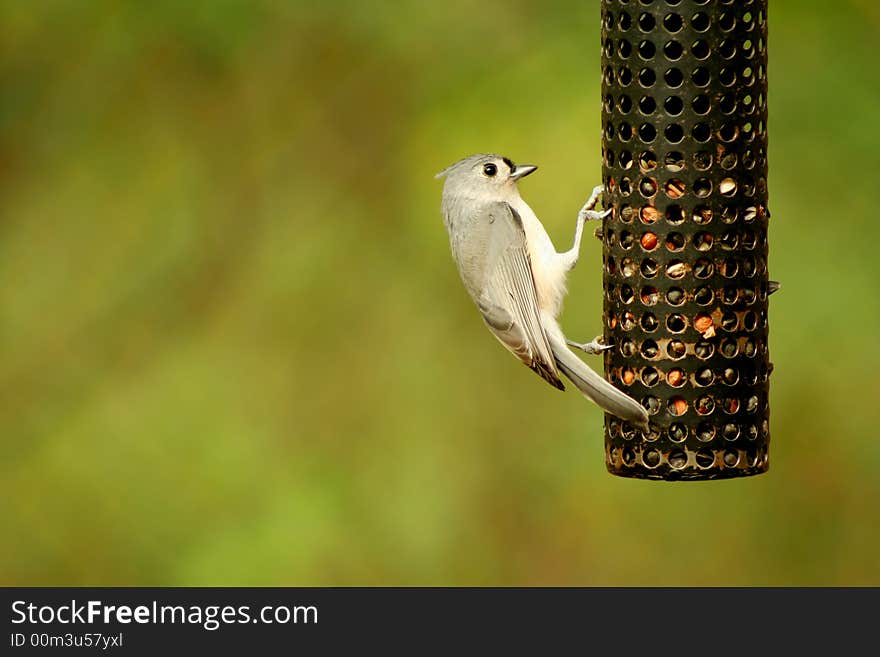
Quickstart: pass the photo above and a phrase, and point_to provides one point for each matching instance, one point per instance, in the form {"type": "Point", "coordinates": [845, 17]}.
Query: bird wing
{"type": "Point", "coordinates": [509, 301]}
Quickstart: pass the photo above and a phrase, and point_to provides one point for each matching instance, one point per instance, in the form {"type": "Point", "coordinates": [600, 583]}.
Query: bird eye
{"type": "Point", "coordinates": [490, 169]}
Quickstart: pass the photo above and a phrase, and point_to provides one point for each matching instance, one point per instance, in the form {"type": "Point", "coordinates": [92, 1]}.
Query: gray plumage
{"type": "Point", "coordinates": [515, 276]}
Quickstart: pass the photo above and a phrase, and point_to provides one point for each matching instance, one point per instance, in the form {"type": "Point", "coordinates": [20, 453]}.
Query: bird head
{"type": "Point", "coordinates": [485, 175]}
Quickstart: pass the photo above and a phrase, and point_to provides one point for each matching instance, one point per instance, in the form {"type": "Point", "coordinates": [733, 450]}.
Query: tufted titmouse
{"type": "Point", "coordinates": [515, 276]}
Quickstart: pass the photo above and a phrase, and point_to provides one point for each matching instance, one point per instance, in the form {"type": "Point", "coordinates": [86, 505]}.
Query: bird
{"type": "Point", "coordinates": [517, 279]}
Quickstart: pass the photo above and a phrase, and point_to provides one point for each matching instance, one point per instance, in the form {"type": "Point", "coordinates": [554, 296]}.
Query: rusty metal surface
{"type": "Point", "coordinates": [684, 149]}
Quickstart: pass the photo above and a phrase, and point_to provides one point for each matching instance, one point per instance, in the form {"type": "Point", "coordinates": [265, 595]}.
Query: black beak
{"type": "Point", "coordinates": [522, 170]}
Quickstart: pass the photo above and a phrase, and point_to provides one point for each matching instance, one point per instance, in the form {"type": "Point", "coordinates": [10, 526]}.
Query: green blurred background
{"type": "Point", "coordinates": [235, 349]}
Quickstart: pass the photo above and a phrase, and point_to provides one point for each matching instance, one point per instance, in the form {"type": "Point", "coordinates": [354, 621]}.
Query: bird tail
{"type": "Point", "coordinates": [594, 387]}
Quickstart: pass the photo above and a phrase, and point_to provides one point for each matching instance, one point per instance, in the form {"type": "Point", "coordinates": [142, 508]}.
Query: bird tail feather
{"type": "Point", "coordinates": [595, 388]}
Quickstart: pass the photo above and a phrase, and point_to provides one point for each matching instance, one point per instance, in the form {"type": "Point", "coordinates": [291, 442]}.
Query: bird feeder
{"type": "Point", "coordinates": [684, 147]}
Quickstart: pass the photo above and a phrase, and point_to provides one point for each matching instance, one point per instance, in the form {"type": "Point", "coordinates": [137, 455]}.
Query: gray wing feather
{"type": "Point", "coordinates": [508, 300]}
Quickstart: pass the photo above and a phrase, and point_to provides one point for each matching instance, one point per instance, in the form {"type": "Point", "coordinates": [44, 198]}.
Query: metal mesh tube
{"type": "Point", "coordinates": [684, 149]}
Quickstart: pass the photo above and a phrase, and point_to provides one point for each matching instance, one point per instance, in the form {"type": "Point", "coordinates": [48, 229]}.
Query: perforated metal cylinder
{"type": "Point", "coordinates": [684, 149]}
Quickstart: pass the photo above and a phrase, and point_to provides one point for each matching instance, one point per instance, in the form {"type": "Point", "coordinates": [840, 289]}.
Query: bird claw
{"type": "Point", "coordinates": [587, 211]}
{"type": "Point", "coordinates": [595, 215]}
{"type": "Point", "coordinates": [595, 346]}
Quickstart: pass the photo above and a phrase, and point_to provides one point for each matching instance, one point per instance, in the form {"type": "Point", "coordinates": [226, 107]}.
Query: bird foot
{"type": "Point", "coordinates": [595, 346]}
{"type": "Point", "coordinates": [587, 212]}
